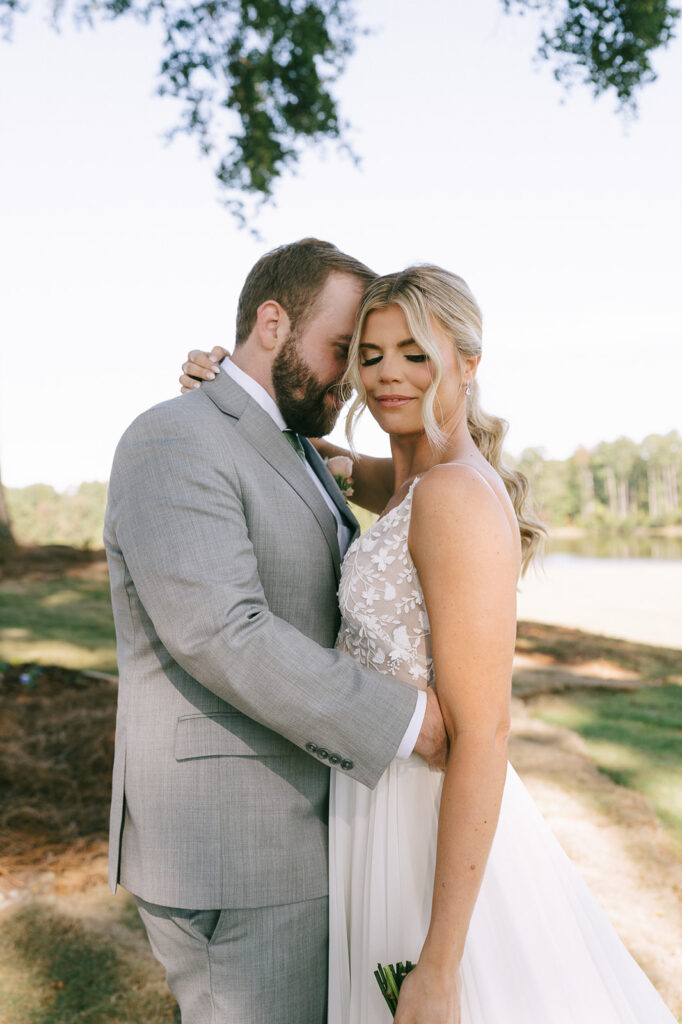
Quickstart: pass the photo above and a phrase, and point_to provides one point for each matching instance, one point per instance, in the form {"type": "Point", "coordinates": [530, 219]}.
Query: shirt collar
{"type": "Point", "coordinates": [255, 390]}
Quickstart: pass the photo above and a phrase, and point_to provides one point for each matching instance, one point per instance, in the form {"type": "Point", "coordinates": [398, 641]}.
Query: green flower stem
{"type": "Point", "coordinates": [389, 980]}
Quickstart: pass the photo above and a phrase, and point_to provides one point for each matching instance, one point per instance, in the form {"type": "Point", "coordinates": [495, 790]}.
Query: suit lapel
{"type": "Point", "coordinates": [322, 473]}
{"type": "Point", "coordinates": [264, 435]}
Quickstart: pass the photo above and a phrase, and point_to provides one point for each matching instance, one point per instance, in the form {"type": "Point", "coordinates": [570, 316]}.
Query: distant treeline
{"type": "Point", "coordinates": [619, 484]}
{"type": "Point", "coordinates": [41, 515]}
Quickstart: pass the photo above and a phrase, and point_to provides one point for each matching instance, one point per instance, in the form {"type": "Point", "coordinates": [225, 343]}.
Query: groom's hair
{"type": "Point", "coordinates": [293, 275]}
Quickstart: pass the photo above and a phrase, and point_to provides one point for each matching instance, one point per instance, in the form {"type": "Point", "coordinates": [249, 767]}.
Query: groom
{"type": "Point", "coordinates": [224, 533]}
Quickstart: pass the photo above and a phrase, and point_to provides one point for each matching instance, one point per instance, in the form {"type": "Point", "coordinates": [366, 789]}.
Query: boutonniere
{"type": "Point", "coordinates": [341, 468]}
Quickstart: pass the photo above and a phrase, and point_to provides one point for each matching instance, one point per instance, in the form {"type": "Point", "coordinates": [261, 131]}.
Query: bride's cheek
{"type": "Point", "coordinates": [375, 412]}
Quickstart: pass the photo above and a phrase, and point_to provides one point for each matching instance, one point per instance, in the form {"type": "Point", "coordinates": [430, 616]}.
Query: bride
{"type": "Point", "coordinates": [457, 872]}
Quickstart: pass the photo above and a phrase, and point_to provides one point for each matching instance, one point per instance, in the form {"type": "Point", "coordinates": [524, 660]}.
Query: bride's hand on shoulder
{"type": "Point", "coordinates": [200, 366]}
{"type": "Point", "coordinates": [427, 997]}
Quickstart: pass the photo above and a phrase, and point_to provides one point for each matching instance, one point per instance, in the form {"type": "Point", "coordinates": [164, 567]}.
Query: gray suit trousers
{"type": "Point", "coordinates": [266, 965]}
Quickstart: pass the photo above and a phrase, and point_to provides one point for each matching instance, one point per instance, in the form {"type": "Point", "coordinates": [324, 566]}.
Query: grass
{"type": "Point", "coordinates": [635, 737]}
{"type": "Point", "coordinates": [64, 622]}
{"type": "Point", "coordinates": [62, 969]}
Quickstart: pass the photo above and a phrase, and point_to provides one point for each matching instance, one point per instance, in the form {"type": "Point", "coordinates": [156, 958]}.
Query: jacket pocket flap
{"type": "Point", "coordinates": [226, 734]}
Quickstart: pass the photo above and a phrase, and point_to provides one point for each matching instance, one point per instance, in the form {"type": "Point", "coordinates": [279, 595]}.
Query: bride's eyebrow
{"type": "Point", "coordinates": [377, 348]}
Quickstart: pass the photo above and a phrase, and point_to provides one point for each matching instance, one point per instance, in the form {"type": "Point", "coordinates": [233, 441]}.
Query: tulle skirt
{"type": "Point", "coordinates": [540, 950]}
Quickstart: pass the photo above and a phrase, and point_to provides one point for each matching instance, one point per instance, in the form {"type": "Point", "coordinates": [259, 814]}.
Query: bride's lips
{"type": "Point", "coordinates": [392, 401]}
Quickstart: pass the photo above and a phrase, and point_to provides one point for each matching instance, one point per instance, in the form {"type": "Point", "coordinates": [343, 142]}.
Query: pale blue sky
{"type": "Point", "coordinates": [116, 257]}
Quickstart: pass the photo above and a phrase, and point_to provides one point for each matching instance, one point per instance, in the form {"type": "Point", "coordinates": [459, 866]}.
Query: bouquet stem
{"type": "Point", "coordinates": [389, 979]}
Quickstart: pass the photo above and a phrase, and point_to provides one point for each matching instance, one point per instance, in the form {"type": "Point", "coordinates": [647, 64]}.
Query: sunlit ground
{"type": "Point", "coordinates": [88, 963]}
{"type": "Point", "coordinates": [634, 737]}
{"type": "Point", "coordinates": [64, 622]}
{"type": "Point", "coordinates": [63, 962]}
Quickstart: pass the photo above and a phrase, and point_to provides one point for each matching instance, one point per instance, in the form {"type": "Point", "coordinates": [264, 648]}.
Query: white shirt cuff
{"type": "Point", "coordinates": [414, 728]}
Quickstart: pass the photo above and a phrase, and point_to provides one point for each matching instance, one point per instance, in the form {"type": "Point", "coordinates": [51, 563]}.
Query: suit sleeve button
{"type": "Point", "coordinates": [334, 758]}
{"type": "Point", "coordinates": [346, 765]}
{"type": "Point", "coordinates": [311, 748]}
{"type": "Point", "coordinates": [321, 752]}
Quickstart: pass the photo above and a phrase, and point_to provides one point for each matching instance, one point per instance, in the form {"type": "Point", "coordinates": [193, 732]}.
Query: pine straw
{"type": "Point", "coordinates": [56, 752]}
{"type": "Point", "coordinates": [661, 665]}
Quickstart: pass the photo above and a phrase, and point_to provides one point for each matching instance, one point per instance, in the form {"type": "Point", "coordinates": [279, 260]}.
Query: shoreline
{"type": "Point", "coordinates": [570, 532]}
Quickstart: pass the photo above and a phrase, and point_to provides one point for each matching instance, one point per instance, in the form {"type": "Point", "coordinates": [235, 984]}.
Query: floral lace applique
{"type": "Point", "coordinates": [384, 624]}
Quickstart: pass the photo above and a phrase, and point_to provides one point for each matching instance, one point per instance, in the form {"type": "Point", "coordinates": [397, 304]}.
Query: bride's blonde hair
{"type": "Point", "coordinates": [422, 292]}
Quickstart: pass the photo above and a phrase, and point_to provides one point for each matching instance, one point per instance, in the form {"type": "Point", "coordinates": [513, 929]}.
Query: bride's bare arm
{"type": "Point", "coordinates": [467, 556]}
{"type": "Point", "coordinates": [373, 481]}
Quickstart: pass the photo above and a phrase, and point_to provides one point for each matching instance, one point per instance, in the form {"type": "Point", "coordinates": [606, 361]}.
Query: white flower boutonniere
{"type": "Point", "coordinates": [341, 468]}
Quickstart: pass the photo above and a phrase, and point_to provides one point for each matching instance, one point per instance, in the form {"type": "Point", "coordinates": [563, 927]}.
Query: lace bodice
{"type": "Point", "coordinates": [384, 624]}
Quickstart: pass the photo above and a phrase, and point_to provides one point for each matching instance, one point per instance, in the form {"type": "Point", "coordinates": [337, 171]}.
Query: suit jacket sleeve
{"type": "Point", "coordinates": [176, 514]}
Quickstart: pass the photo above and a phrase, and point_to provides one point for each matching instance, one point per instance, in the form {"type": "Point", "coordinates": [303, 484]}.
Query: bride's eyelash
{"type": "Point", "coordinates": [373, 360]}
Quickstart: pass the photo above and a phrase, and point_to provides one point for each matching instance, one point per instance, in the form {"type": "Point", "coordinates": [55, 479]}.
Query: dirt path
{"type": "Point", "coordinates": [614, 837]}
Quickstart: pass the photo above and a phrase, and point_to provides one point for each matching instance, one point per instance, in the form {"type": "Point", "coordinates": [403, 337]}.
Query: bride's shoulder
{"type": "Point", "coordinates": [456, 483]}
{"type": "Point", "coordinates": [457, 494]}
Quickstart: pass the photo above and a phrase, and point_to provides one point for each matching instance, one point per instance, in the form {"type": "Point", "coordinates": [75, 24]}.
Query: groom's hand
{"type": "Point", "coordinates": [432, 744]}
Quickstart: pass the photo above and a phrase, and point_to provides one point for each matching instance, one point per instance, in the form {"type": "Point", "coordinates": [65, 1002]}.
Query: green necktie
{"type": "Point", "coordinates": [295, 442]}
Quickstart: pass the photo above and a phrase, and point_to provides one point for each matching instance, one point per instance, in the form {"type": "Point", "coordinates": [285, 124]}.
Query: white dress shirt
{"type": "Point", "coordinates": [268, 405]}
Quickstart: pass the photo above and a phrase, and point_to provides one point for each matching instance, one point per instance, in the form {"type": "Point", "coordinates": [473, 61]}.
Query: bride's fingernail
{"type": "Point", "coordinates": [196, 384]}
{"type": "Point", "coordinates": [209, 375]}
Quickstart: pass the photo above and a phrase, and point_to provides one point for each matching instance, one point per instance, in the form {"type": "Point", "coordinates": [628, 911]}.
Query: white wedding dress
{"type": "Point", "coordinates": [539, 949]}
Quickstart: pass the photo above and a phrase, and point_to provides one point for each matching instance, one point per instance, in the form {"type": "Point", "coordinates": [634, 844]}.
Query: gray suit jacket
{"type": "Point", "coordinates": [224, 567]}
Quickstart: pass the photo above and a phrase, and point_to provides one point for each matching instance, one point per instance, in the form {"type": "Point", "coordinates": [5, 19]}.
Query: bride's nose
{"type": "Point", "coordinates": [390, 369]}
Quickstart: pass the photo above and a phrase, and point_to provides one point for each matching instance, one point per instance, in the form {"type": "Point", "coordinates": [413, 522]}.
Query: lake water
{"type": "Point", "coordinates": [635, 598]}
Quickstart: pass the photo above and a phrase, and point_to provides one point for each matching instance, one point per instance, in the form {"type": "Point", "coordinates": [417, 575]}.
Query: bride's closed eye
{"type": "Point", "coordinates": [421, 358]}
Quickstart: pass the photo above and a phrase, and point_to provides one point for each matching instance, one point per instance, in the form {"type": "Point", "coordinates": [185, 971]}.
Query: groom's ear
{"type": "Point", "coordinates": [272, 325]}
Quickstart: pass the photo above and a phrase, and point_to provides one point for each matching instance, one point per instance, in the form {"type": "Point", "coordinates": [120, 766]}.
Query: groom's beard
{"type": "Point", "coordinates": [308, 406]}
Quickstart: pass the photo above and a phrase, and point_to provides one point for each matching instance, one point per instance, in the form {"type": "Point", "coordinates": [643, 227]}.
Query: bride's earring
{"type": "Point", "coordinates": [467, 388]}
